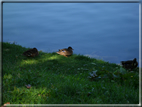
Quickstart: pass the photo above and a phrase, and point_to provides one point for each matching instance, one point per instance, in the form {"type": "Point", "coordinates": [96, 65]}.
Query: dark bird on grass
{"type": "Point", "coordinates": [65, 52]}
{"type": "Point", "coordinates": [130, 64]}
{"type": "Point", "coordinates": [31, 52]}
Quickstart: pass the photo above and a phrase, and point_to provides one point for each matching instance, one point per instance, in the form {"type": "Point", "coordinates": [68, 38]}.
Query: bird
{"type": "Point", "coordinates": [31, 52]}
{"type": "Point", "coordinates": [130, 64]}
{"type": "Point", "coordinates": [66, 51]}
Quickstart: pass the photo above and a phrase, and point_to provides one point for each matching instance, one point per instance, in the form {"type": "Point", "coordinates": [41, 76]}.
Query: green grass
{"type": "Point", "coordinates": [55, 79]}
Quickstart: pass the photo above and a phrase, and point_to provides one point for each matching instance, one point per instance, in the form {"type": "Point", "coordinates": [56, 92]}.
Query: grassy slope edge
{"type": "Point", "coordinates": [55, 79]}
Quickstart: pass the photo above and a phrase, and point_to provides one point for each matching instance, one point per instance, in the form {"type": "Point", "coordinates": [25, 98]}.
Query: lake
{"type": "Point", "coordinates": [107, 31]}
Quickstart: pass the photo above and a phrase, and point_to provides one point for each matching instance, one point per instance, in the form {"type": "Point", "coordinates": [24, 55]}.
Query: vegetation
{"type": "Point", "coordinates": [54, 79]}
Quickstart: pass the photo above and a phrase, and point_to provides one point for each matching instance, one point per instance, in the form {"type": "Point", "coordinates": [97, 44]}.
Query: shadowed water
{"type": "Point", "coordinates": [108, 31]}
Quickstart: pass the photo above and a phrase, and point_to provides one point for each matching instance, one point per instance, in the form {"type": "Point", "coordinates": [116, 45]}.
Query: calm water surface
{"type": "Point", "coordinates": [108, 31]}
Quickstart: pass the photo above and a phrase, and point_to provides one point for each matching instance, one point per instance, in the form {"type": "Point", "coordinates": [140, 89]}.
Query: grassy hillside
{"type": "Point", "coordinates": [56, 79]}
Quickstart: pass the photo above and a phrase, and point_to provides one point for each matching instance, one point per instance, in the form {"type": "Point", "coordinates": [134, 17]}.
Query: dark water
{"type": "Point", "coordinates": [108, 31]}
